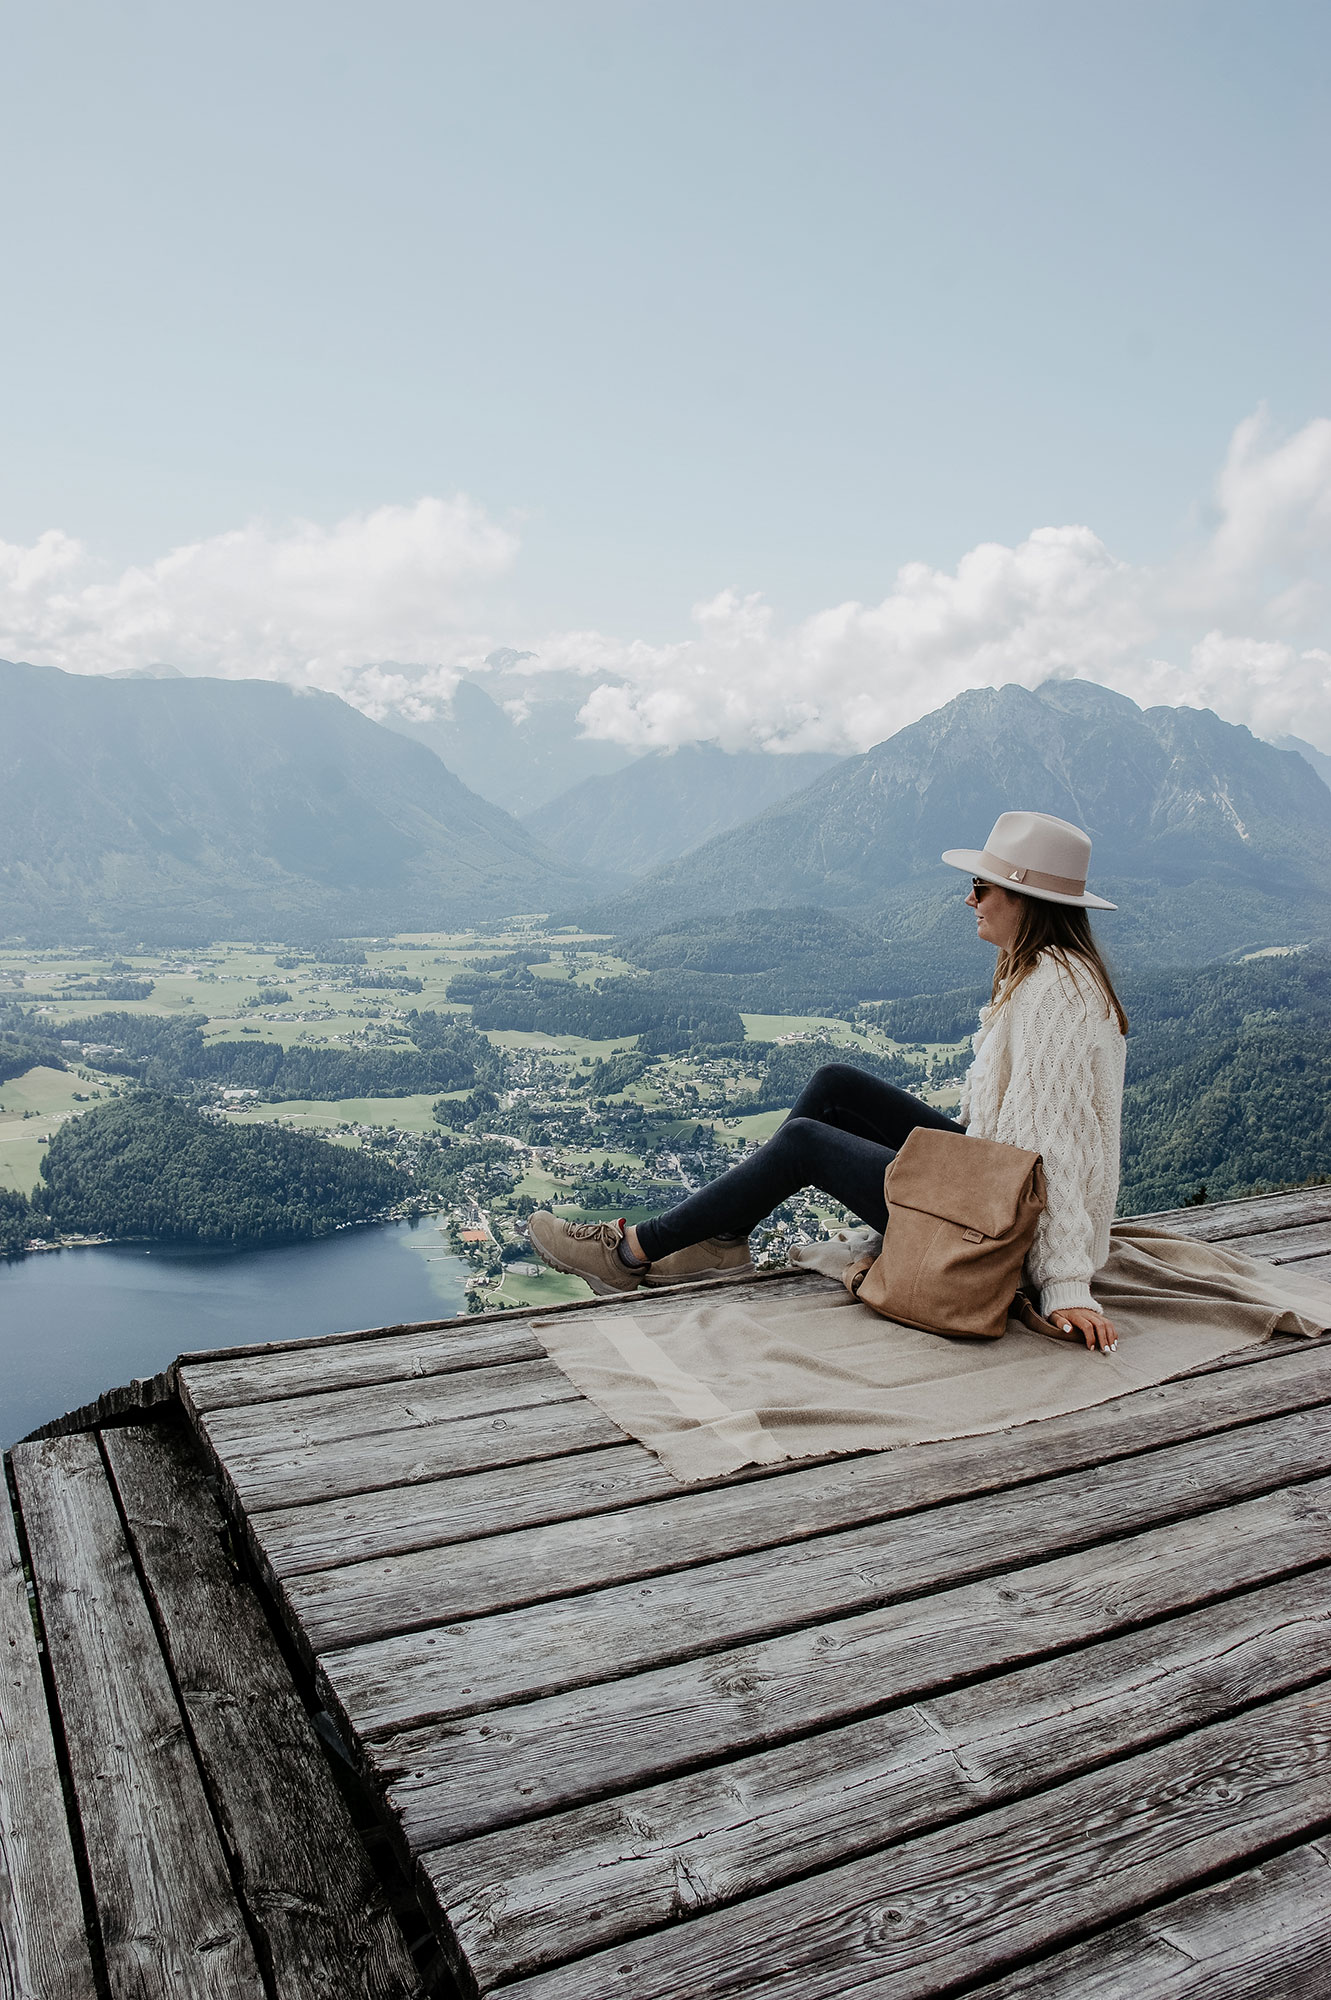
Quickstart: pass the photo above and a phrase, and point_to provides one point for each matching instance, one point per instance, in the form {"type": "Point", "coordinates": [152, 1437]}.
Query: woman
{"type": "Point", "coordinates": [1047, 1075]}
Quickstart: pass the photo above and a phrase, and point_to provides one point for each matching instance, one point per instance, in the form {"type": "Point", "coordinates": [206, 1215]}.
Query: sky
{"type": "Point", "coordinates": [781, 367]}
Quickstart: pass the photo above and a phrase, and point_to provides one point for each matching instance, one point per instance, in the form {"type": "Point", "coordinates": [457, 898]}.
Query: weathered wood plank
{"type": "Point", "coordinates": [1312, 1267]}
{"type": "Point", "coordinates": [331, 1479]}
{"type": "Point", "coordinates": [224, 1377]}
{"type": "Point", "coordinates": [397, 1519]}
{"type": "Point", "coordinates": [966, 1900]}
{"type": "Point", "coordinates": [1265, 1931]}
{"type": "Point", "coordinates": [1228, 1221]}
{"type": "Point", "coordinates": [139, 1394]}
{"type": "Point", "coordinates": [279, 1478]}
{"type": "Point", "coordinates": [349, 1604]}
{"type": "Point", "coordinates": [516, 1316]}
{"type": "Point", "coordinates": [457, 1669]}
{"type": "Point", "coordinates": [1286, 1246]}
{"type": "Point", "coordinates": [453, 1779]}
{"type": "Point", "coordinates": [300, 1866]}
{"type": "Point", "coordinates": [169, 1918]}
{"type": "Point", "coordinates": [43, 1946]}
{"type": "Point", "coordinates": [560, 1888]}
{"type": "Point", "coordinates": [720, 1518]}
{"type": "Point", "coordinates": [343, 1415]}
{"type": "Point", "coordinates": [1274, 1349]}
{"type": "Point", "coordinates": [343, 1364]}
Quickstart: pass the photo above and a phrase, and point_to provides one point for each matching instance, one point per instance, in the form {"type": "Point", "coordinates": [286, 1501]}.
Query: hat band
{"type": "Point", "coordinates": [1034, 878]}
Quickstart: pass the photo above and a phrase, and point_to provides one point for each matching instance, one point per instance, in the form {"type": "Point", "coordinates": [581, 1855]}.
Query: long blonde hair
{"type": "Point", "coordinates": [1063, 930]}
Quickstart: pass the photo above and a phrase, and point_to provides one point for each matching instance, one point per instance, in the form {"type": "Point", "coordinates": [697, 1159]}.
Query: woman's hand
{"type": "Point", "coordinates": [1095, 1329]}
{"type": "Point", "coordinates": [854, 1274]}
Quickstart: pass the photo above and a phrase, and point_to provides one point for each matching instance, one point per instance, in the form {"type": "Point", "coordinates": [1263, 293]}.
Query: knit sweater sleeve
{"type": "Point", "coordinates": [1049, 1107]}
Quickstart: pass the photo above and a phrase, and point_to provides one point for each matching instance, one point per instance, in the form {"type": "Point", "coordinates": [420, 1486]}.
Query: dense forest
{"type": "Point", "coordinates": [19, 1222]}
{"type": "Point", "coordinates": [1229, 1080]}
{"type": "Point", "coordinates": [150, 1165]}
{"type": "Point", "coordinates": [675, 1011]}
{"type": "Point", "coordinates": [21, 1050]}
{"type": "Point", "coordinates": [172, 1054]}
{"type": "Point", "coordinates": [474, 1168]}
{"type": "Point", "coordinates": [801, 961]}
{"type": "Point", "coordinates": [112, 988]}
{"type": "Point", "coordinates": [609, 1074]}
{"type": "Point", "coordinates": [929, 1017]}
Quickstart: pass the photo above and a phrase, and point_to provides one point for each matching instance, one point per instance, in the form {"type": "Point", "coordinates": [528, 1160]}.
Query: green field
{"type": "Point", "coordinates": [399, 1114]}
{"type": "Point", "coordinates": [538, 1290]}
{"type": "Point", "coordinates": [48, 1097]}
{"type": "Point", "coordinates": [769, 1027]}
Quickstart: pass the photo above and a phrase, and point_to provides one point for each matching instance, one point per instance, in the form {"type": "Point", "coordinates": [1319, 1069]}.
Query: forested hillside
{"type": "Point", "coordinates": [1229, 1080]}
{"type": "Point", "coordinates": [792, 961]}
{"type": "Point", "coordinates": [150, 1165]}
{"type": "Point", "coordinates": [1211, 842]}
{"type": "Point", "coordinates": [191, 809]}
{"type": "Point", "coordinates": [667, 804]}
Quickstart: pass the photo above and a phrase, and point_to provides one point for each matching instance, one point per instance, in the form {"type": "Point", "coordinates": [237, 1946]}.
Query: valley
{"type": "Point", "coordinates": [591, 1126]}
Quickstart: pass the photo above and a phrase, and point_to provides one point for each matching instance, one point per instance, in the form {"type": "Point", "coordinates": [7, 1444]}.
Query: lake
{"type": "Point", "coordinates": [75, 1322]}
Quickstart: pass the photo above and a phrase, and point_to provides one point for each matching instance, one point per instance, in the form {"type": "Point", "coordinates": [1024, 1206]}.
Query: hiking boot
{"type": "Point", "coordinates": [586, 1250]}
{"type": "Point", "coordinates": [718, 1257]}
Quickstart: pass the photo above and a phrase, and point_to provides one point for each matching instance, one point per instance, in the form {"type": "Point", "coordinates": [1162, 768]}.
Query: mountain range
{"type": "Point", "coordinates": [1212, 842]}
{"type": "Point", "coordinates": [1319, 760]}
{"type": "Point", "coordinates": [175, 808]}
{"type": "Point", "coordinates": [667, 803]}
{"type": "Point", "coordinates": [522, 749]}
{"type": "Point", "coordinates": [182, 808]}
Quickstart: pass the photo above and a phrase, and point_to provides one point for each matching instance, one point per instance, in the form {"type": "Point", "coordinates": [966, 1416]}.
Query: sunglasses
{"type": "Point", "coordinates": [980, 888]}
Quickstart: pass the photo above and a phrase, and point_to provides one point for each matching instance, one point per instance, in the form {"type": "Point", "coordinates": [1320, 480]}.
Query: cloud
{"type": "Point", "coordinates": [305, 604]}
{"type": "Point", "coordinates": [1239, 621]}
{"type": "Point", "coordinates": [844, 678]}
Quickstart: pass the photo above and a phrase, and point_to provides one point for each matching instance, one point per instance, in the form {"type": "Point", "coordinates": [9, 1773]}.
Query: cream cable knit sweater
{"type": "Point", "coordinates": [1048, 1075]}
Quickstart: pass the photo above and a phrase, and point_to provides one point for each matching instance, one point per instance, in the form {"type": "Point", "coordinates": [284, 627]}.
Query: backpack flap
{"type": "Point", "coordinates": [975, 1183]}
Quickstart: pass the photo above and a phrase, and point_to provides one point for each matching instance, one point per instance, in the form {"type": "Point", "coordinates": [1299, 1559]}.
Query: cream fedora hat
{"type": "Point", "coordinates": [1033, 854]}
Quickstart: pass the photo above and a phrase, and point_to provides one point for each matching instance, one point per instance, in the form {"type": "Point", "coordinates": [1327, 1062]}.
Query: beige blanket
{"type": "Point", "coordinates": [720, 1385]}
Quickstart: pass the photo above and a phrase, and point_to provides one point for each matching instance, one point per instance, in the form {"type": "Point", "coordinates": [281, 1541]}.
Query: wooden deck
{"type": "Point", "coordinates": [1041, 1713]}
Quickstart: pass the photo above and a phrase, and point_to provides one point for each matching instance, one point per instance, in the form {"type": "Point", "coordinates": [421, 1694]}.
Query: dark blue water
{"type": "Point", "coordinates": [75, 1322]}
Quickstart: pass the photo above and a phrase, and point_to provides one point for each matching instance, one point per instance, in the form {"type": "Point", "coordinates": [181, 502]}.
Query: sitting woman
{"type": "Point", "coordinates": [1047, 1076]}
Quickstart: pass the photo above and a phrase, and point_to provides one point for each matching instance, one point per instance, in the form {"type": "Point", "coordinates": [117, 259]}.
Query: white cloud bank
{"type": "Point", "coordinates": [1240, 623]}
{"type": "Point", "coordinates": [304, 604]}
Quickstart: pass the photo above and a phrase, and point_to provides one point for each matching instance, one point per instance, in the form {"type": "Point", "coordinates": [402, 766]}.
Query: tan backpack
{"type": "Point", "coordinates": [961, 1216]}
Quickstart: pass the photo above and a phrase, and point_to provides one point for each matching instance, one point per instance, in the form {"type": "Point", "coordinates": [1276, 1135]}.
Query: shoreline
{"type": "Point", "coordinates": [248, 1243]}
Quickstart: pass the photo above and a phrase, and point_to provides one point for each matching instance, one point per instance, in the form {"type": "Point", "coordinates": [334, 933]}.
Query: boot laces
{"type": "Point", "coordinates": [594, 1232]}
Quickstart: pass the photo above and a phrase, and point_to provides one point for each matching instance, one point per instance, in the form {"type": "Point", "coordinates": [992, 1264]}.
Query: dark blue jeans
{"type": "Point", "coordinates": [843, 1129]}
